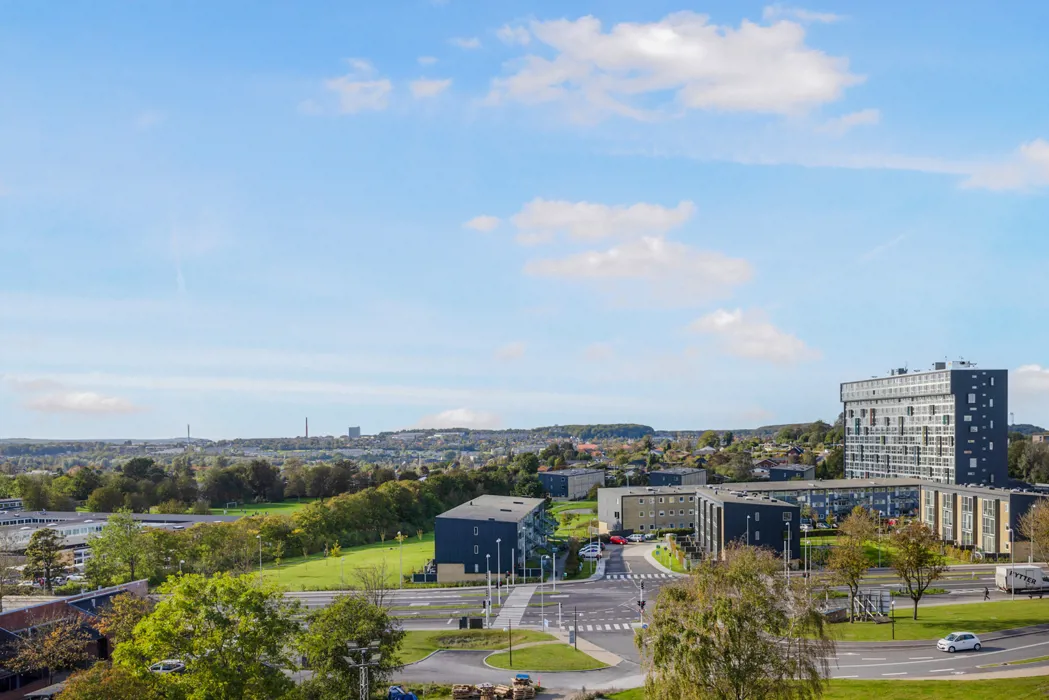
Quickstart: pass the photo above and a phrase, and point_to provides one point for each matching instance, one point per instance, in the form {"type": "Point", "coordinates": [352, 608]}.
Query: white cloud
{"type": "Point", "coordinates": [750, 335]}
{"type": "Point", "coordinates": [483, 223]}
{"type": "Point", "coordinates": [86, 402]}
{"type": "Point", "coordinates": [1030, 379]}
{"type": "Point", "coordinates": [513, 35]}
{"type": "Point", "coordinates": [1027, 169]}
{"type": "Point", "coordinates": [878, 250]}
{"type": "Point", "coordinates": [423, 87]}
{"type": "Point", "coordinates": [630, 68]}
{"type": "Point", "coordinates": [778, 12]}
{"type": "Point", "coordinates": [427, 60]}
{"type": "Point", "coordinates": [667, 272]}
{"type": "Point", "coordinates": [460, 418]}
{"type": "Point", "coordinates": [510, 351]}
{"type": "Point", "coordinates": [541, 219]}
{"type": "Point", "coordinates": [838, 126]}
{"type": "Point", "coordinates": [359, 90]}
{"type": "Point", "coordinates": [466, 42]}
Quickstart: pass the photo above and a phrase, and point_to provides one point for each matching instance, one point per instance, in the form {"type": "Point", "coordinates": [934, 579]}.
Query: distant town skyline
{"type": "Point", "coordinates": [487, 215]}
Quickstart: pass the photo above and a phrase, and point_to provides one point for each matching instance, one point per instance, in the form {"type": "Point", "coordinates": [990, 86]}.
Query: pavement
{"type": "Point", "coordinates": [604, 610]}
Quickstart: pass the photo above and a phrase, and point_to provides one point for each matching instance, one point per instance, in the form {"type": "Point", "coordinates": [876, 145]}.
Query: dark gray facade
{"type": "Point", "coordinates": [571, 484]}
{"type": "Point", "coordinates": [466, 535]}
{"type": "Point", "coordinates": [948, 425]}
{"type": "Point", "coordinates": [678, 477]}
{"type": "Point", "coordinates": [724, 517]}
{"type": "Point", "coordinates": [786, 472]}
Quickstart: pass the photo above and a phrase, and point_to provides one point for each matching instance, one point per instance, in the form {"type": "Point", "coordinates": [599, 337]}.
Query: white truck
{"type": "Point", "coordinates": [1021, 578]}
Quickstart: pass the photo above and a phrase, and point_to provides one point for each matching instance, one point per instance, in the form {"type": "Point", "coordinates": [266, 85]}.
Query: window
{"type": "Point", "coordinates": [616, 516]}
{"type": "Point", "coordinates": [640, 527]}
{"type": "Point", "coordinates": [692, 498]}
{"type": "Point", "coordinates": [992, 381]}
{"type": "Point", "coordinates": [757, 515]}
{"type": "Point", "coordinates": [968, 418]}
{"type": "Point", "coordinates": [651, 513]}
{"type": "Point", "coordinates": [757, 535]}
{"type": "Point", "coordinates": [475, 549]}
{"type": "Point", "coordinates": [691, 511]}
{"type": "Point", "coordinates": [660, 499]}
{"type": "Point", "coordinates": [475, 535]}
{"type": "Point", "coordinates": [972, 463]}
{"type": "Point", "coordinates": [990, 403]}
{"type": "Point", "coordinates": [972, 398]}
{"type": "Point", "coordinates": [973, 429]}
{"type": "Point", "coordinates": [681, 500]}
{"type": "Point", "coordinates": [662, 513]}
{"type": "Point", "coordinates": [990, 446]}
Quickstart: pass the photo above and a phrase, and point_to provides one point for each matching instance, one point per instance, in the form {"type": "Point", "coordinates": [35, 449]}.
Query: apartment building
{"type": "Point", "coordinates": [678, 476]}
{"type": "Point", "coordinates": [646, 508]}
{"type": "Point", "coordinates": [724, 516]}
{"type": "Point", "coordinates": [571, 484]}
{"type": "Point", "coordinates": [948, 425]}
{"type": "Point", "coordinates": [984, 519]}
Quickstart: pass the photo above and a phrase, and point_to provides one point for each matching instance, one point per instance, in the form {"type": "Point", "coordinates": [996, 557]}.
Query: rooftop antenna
{"type": "Point", "coordinates": [1012, 419]}
{"type": "Point", "coordinates": [307, 428]}
{"type": "Point", "coordinates": [187, 432]}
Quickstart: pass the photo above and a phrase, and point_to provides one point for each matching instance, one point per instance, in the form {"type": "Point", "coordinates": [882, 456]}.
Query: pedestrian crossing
{"type": "Point", "coordinates": [609, 627]}
{"type": "Point", "coordinates": [638, 576]}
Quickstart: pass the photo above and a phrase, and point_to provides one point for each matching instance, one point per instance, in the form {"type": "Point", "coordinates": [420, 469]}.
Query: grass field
{"type": "Point", "coordinates": [664, 557]}
{"type": "Point", "coordinates": [546, 657]}
{"type": "Point", "coordinates": [935, 621]}
{"type": "Point", "coordinates": [418, 645]}
{"type": "Point", "coordinates": [318, 573]}
{"type": "Point", "coordinates": [283, 508]}
{"type": "Point", "coordinates": [1013, 688]}
{"type": "Point", "coordinates": [574, 524]}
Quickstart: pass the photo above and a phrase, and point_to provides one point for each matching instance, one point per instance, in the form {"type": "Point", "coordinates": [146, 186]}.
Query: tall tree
{"type": "Point", "coordinates": [118, 619]}
{"type": "Point", "coordinates": [917, 559]}
{"type": "Point", "coordinates": [708, 439]}
{"type": "Point", "coordinates": [105, 682]}
{"type": "Point", "coordinates": [849, 564]}
{"type": "Point", "coordinates": [44, 558]}
{"type": "Point", "coordinates": [1034, 525]}
{"type": "Point", "coordinates": [52, 646]}
{"type": "Point", "coordinates": [861, 525]}
{"type": "Point", "coordinates": [349, 622]}
{"type": "Point", "coordinates": [9, 559]}
{"type": "Point", "coordinates": [736, 630]}
{"type": "Point", "coordinates": [231, 632]}
{"type": "Point", "coordinates": [121, 543]}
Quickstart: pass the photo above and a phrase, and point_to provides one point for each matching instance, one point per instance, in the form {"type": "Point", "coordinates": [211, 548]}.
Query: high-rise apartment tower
{"type": "Point", "coordinates": [949, 424]}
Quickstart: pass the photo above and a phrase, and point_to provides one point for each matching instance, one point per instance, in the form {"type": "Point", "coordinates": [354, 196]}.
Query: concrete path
{"type": "Point", "coordinates": [515, 606]}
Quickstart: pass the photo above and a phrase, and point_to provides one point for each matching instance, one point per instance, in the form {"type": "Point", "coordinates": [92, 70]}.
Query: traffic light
{"type": "Point", "coordinates": [642, 585]}
{"type": "Point", "coordinates": [641, 604]}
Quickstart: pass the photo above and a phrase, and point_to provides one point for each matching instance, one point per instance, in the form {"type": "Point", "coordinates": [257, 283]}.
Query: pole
{"type": "Point", "coordinates": [498, 568]}
{"type": "Point", "coordinates": [553, 573]}
{"type": "Point", "coordinates": [892, 608]}
{"type": "Point", "coordinates": [748, 530]}
{"type": "Point", "coordinates": [513, 565]}
{"type": "Point", "coordinates": [558, 614]}
{"type": "Point", "coordinates": [510, 640]}
{"type": "Point", "coordinates": [542, 587]}
{"type": "Point", "coordinates": [180, 563]}
{"type": "Point", "coordinates": [575, 623]}
{"type": "Point", "coordinates": [641, 608]}
{"type": "Point", "coordinates": [488, 575]}
{"type": "Point", "coordinates": [400, 541]}
{"type": "Point", "coordinates": [1012, 562]}
{"type": "Point", "coordinates": [259, 538]}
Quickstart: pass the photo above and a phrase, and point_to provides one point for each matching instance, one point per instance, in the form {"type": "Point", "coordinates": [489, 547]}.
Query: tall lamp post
{"type": "Point", "coordinates": [259, 538]}
{"type": "Point", "coordinates": [400, 540]}
{"type": "Point", "coordinates": [488, 597]}
{"type": "Point", "coordinates": [748, 530]}
{"type": "Point", "coordinates": [498, 568]}
{"type": "Point", "coordinates": [1012, 561]}
{"type": "Point", "coordinates": [542, 589]}
{"type": "Point", "coordinates": [180, 563]}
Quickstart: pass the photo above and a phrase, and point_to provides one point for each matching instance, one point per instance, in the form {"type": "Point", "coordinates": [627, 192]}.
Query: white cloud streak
{"type": "Point", "coordinates": [510, 351]}
{"type": "Point", "coordinates": [666, 272]}
{"type": "Point", "coordinates": [540, 220]}
{"type": "Point", "coordinates": [360, 90]}
{"type": "Point", "coordinates": [424, 88]}
{"type": "Point", "coordinates": [484, 224]}
{"type": "Point", "coordinates": [839, 126]}
{"type": "Point", "coordinates": [460, 418]}
{"type": "Point", "coordinates": [630, 68]}
{"type": "Point", "coordinates": [777, 12]}
{"type": "Point", "coordinates": [427, 60]}
{"type": "Point", "coordinates": [468, 43]}
{"type": "Point", "coordinates": [1027, 169]}
{"type": "Point", "coordinates": [80, 402]}
{"type": "Point", "coordinates": [513, 35]}
{"type": "Point", "coordinates": [750, 335]}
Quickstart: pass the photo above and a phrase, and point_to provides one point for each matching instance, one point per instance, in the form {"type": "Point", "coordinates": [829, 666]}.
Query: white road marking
{"type": "Point", "coordinates": [846, 676]}
{"type": "Point", "coordinates": [872, 659]}
{"type": "Point", "coordinates": [901, 673]}
{"type": "Point", "coordinates": [941, 670]}
{"type": "Point", "coordinates": [921, 658]}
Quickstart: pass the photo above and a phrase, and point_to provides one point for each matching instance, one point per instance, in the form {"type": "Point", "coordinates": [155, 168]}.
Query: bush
{"type": "Point", "coordinates": [70, 588]}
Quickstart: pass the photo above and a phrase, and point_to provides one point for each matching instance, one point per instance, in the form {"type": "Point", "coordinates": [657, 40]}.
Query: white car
{"type": "Point", "coordinates": [636, 537]}
{"type": "Point", "coordinates": [590, 554]}
{"type": "Point", "coordinates": [959, 641]}
{"type": "Point", "coordinates": [590, 548]}
{"type": "Point", "coordinates": [168, 666]}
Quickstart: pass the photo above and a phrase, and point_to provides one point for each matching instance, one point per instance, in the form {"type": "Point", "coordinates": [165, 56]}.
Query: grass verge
{"type": "Point", "coordinates": [935, 621]}
{"type": "Point", "coordinates": [320, 573]}
{"type": "Point", "coordinates": [420, 644]}
{"type": "Point", "coordinates": [1014, 688]}
{"type": "Point", "coordinates": [279, 508]}
{"type": "Point", "coordinates": [664, 557]}
{"type": "Point", "coordinates": [546, 657]}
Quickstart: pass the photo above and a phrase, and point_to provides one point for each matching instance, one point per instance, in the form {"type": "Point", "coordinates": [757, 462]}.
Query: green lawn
{"type": "Point", "coordinates": [282, 508]}
{"type": "Point", "coordinates": [586, 570]}
{"type": "Point", "coordinates": [1013, 688]}
{"type": "Point", "coordinates": [664, 557]}
{"type": "Point", "coordinates": [935, 621]}
{"type": "Point", "coordinates": [574, 524]}
{"type": "Point", "coordinates": [320, 573]}
{"type": "Point", "coordinates": [546, 657]}
{"type": "Point", "coordinates": [562, 506]}
{"type": "Point", "coordinates": [418, 645]}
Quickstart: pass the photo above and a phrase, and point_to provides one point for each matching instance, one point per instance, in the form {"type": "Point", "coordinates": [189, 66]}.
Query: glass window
{"type": "Point", "coordinates": [972, 398]}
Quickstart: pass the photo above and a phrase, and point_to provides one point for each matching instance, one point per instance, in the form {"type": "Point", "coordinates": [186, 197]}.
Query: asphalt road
{"type": "Point", "coordinates": [605, 612]}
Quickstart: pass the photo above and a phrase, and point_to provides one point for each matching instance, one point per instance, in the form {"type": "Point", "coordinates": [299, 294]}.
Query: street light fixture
{"type": "Point", "coordinates": [488, 597]}
{"type": "Point", "coordinates": [498, 568]}
{"type": "Point", "coordinates": [748, 530]}
{"type": "Point", "coordinates": [542, 589]}
{"type": "Point", "coordinates": [400, 540]}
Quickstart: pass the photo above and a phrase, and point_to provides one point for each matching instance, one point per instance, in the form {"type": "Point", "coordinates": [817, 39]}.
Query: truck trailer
{"type": "Point", "coordinates": [1021, 578]}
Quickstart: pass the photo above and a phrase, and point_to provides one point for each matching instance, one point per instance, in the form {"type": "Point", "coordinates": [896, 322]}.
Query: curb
{"type": "Point", "coordinates": [531, 670]}
{"type": "Point", "coordinates": [922, 643]}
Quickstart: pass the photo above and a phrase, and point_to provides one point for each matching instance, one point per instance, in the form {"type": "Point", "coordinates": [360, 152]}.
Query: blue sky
{"type": "Point", "coordinates": [691, 215]}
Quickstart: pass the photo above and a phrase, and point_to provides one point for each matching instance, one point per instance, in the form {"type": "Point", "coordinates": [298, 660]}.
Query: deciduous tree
{"type": "Point", "coordinates": [52, 646]}
{"type": "Point", "coordinates": [917, 559]}
{"type": "Point", "coordinates": [349, 622]}
{"type": "Point", "coordinates": [122, 544]}
{"type": "Point", "coordinates": [736, 630]}
{"type": "Point", "coordinates": [231, 632]}
{"type": "Point", "coordinates": [105, 682]}
{"type": "Point", "coordinates": [43, 556]}
{"type": "Point", "coordinates": [1034, 525]}
{"type": "Point", "coordinates": [8, 561]}
{"type": "Point", "coordinates": [848, 563]}
{"type": "Point", "coordinates": [118, 619]}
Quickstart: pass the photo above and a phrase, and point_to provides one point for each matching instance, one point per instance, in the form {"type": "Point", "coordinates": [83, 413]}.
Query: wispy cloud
{"type": "Point", "coordinates": [542, 219]}
{"type": "Point", "coordinates": [82, 402]}
{"type": "Point", "coordinates": [460, 418]}
{"type": "Point", "coordinates": [510, 351]}
{"type": "Point", "coordinates": [483, 223]}
{"type": "Point", "coordinates": [149, 119]}
{"type": "Point", "coordinates": [750, 335]}
{"type": "Point", "coordinates": [427, 60]}
{"type": "Point", "coordinates": [1027, 169]}
{"type": "Point", "coordinates": [468, 43]}
{"type": "Point", "coordinates": [424, 88]}
{"type": "Point", "coordinates": [513, 35]}
{"type": "Point", "coordinates": [781, 12]}
{"type": "Point", "coordinates": [883, 248]}
{"type": "Point", "coordinates": [838, 126]}
{"type": "Point", "coordinates": [361, 89]}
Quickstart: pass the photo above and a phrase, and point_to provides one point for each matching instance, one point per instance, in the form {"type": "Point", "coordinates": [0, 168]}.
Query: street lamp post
{"type": "Point", "coordinates": [513, 565]}
{"type": "Point", "coordinates": [180, 563]}
{"type": "Point", "coordinates": [1012, 561]}
{"type": "Point", "coordinates": [748, 530]}
{"type": "Point", "coordinates": [553, 572]}
{"type": "Point", "coordinates": [259, 538]}
{"type": "Point", "coordinates": [892, 609]}
{"type": "Point", "coordinates": [488, 597]}
{"type": "Point", "coordinates": [400, 540]}
{"type": "Point", "coordinates": [498, 568]}
{"type": "Point", "coordinates": [542, 589]}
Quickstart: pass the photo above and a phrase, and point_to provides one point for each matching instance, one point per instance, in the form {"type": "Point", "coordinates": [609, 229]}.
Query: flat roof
{"type": "Point", "coordinates": [509, 509]}
{"type": "Point", "coordinates": [733, 495]}
{"type": "Point", "coordinates": [571, 472]}
{"type": "Point", "coordinates": [679, 470]}
{"type": "Point", "coordinates": [987, 490]}
{"type": "Point", "coordinates": [799, 485]}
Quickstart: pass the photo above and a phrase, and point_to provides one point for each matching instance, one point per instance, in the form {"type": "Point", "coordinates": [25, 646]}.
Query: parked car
{"type": "Point", "coordinates": [168, 666]}
{"type": "Point", "coordinates": [650, 536]}
{"type": "Point", "coordinates": [822, 526]}
{"type": "Point", "coordinates": [636, 537]}
{"type": "Point", "coordinates": [589, 554]}
{"type": "Point", "coordinates": [959, 641]}
{"type": "Point", "coordinates": [590, 548]}
{"type": "Point", "coordinates": [616, 539]}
